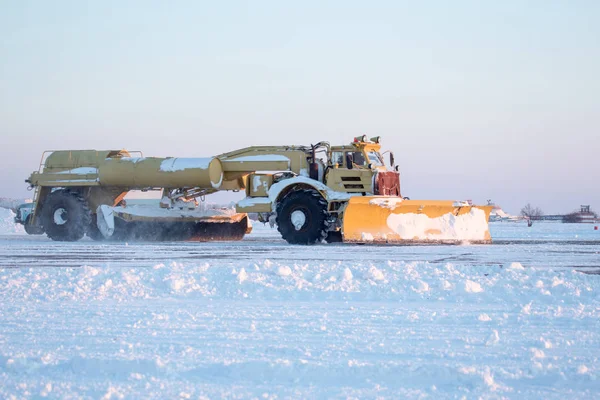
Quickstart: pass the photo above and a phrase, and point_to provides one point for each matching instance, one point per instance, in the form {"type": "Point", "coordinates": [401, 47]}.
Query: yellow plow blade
{"type": "Point", "coordinates": [378, 219]}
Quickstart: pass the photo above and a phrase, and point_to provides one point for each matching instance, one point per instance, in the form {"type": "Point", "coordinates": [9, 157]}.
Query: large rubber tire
{"type": "Point", "coordinates": [65, 216]}
{"type": "Point", "coordinates": [302, 217]}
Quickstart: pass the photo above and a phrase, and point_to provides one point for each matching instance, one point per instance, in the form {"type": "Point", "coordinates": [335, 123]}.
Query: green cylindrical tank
{"type": "Point", "coordinates": [61, 160]}
{"type": "Point", "coordinates": [146, 172]}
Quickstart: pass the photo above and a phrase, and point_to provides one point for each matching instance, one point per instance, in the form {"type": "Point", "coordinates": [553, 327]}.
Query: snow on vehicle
{"type": "Point", "coordinates": [313, 193]}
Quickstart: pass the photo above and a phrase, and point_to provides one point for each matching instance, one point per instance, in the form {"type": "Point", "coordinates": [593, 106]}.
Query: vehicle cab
{"type": "Point", "coordinates": [361, 153]}
{"type": "Point", "coordinates": [359, 168]}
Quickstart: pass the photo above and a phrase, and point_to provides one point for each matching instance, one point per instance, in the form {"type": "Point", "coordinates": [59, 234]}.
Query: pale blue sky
{"type": "Point", "coordinates": [478, 99]}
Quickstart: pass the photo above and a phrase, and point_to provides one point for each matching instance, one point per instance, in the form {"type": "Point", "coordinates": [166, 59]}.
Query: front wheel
{"type": "Point", "coordinates": [302, 217]}
{"type": "Point", "coordinates": [65, 216]}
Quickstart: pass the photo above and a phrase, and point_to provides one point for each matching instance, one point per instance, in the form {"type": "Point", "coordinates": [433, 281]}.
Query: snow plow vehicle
{"type": "Point", "coordinates": [312, 193]}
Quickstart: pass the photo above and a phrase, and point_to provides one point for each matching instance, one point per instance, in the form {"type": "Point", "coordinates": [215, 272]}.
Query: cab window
{"type": "Point", "coordinates": [337, 157]}
{"type": "Point", "coordinates": [359, 158]}
{"type": "Point", "coordinates": [375, 159]}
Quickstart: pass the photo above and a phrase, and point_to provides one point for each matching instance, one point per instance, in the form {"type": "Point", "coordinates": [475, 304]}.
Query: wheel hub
{"type": "Point", "coordinates": [298, 219]}
{"type": "Point", "coordinates": [60, 216]}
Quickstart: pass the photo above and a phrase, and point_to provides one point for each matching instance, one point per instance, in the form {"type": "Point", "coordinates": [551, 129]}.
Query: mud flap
{"type": "Point", "coordinates": [380, 219]}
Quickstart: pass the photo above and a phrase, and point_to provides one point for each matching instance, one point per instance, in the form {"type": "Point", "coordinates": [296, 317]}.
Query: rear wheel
{"type": "Point", "coordinates": [302, 217]}
{"type": "Point", "coordinates": [65, 216]}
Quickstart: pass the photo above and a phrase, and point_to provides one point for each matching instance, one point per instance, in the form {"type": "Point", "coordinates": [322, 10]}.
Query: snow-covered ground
{"type": "Point", "coordinates": [263, 319]}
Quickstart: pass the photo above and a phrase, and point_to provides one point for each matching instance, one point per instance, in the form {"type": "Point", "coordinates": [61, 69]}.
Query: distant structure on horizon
{"type": "Point", "coordinates": [584, 215]}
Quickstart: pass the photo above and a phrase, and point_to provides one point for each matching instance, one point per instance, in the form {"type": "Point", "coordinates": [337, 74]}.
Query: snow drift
{"type": "Point", "coordinates": [284, 329]}
{"type": "Point", "coordinates": [277, 280]}
{"type": "Point", "coordinates": [262, 319]}
{"type": "Point", "coordinates": [7, 223]}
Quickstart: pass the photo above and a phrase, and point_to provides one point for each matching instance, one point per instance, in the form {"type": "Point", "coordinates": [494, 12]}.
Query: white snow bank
{"type": "Point", "coordinates": [268, 320]}
{"type": "Point", "coordinates": [7, 223]}
{"type": "Point", "coordinates": [471, 226]}
{"type": "Point", "coordinates": [12, 203]}
{"type": "Point", "coordinates": [537, 290]}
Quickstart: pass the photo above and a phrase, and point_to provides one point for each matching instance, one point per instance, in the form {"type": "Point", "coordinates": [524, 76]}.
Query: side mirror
{"type": "Point", "coordinates": [349, 160]}
{"type": "Point", "coordinates": [392, 161]}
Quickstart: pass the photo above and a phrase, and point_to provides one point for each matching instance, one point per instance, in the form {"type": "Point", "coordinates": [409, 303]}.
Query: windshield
{"type": "Point", "coordinates": [375, 159]}
{"type": "Point", "coordinates": [339, 157]}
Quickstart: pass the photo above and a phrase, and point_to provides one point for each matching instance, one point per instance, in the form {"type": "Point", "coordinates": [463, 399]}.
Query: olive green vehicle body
{"type": "Point", "coordinates": [327, 176]}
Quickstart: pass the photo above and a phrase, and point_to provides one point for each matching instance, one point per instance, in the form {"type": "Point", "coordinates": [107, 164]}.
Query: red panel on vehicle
{"type": "Point", "coordinates": [387, 183]}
